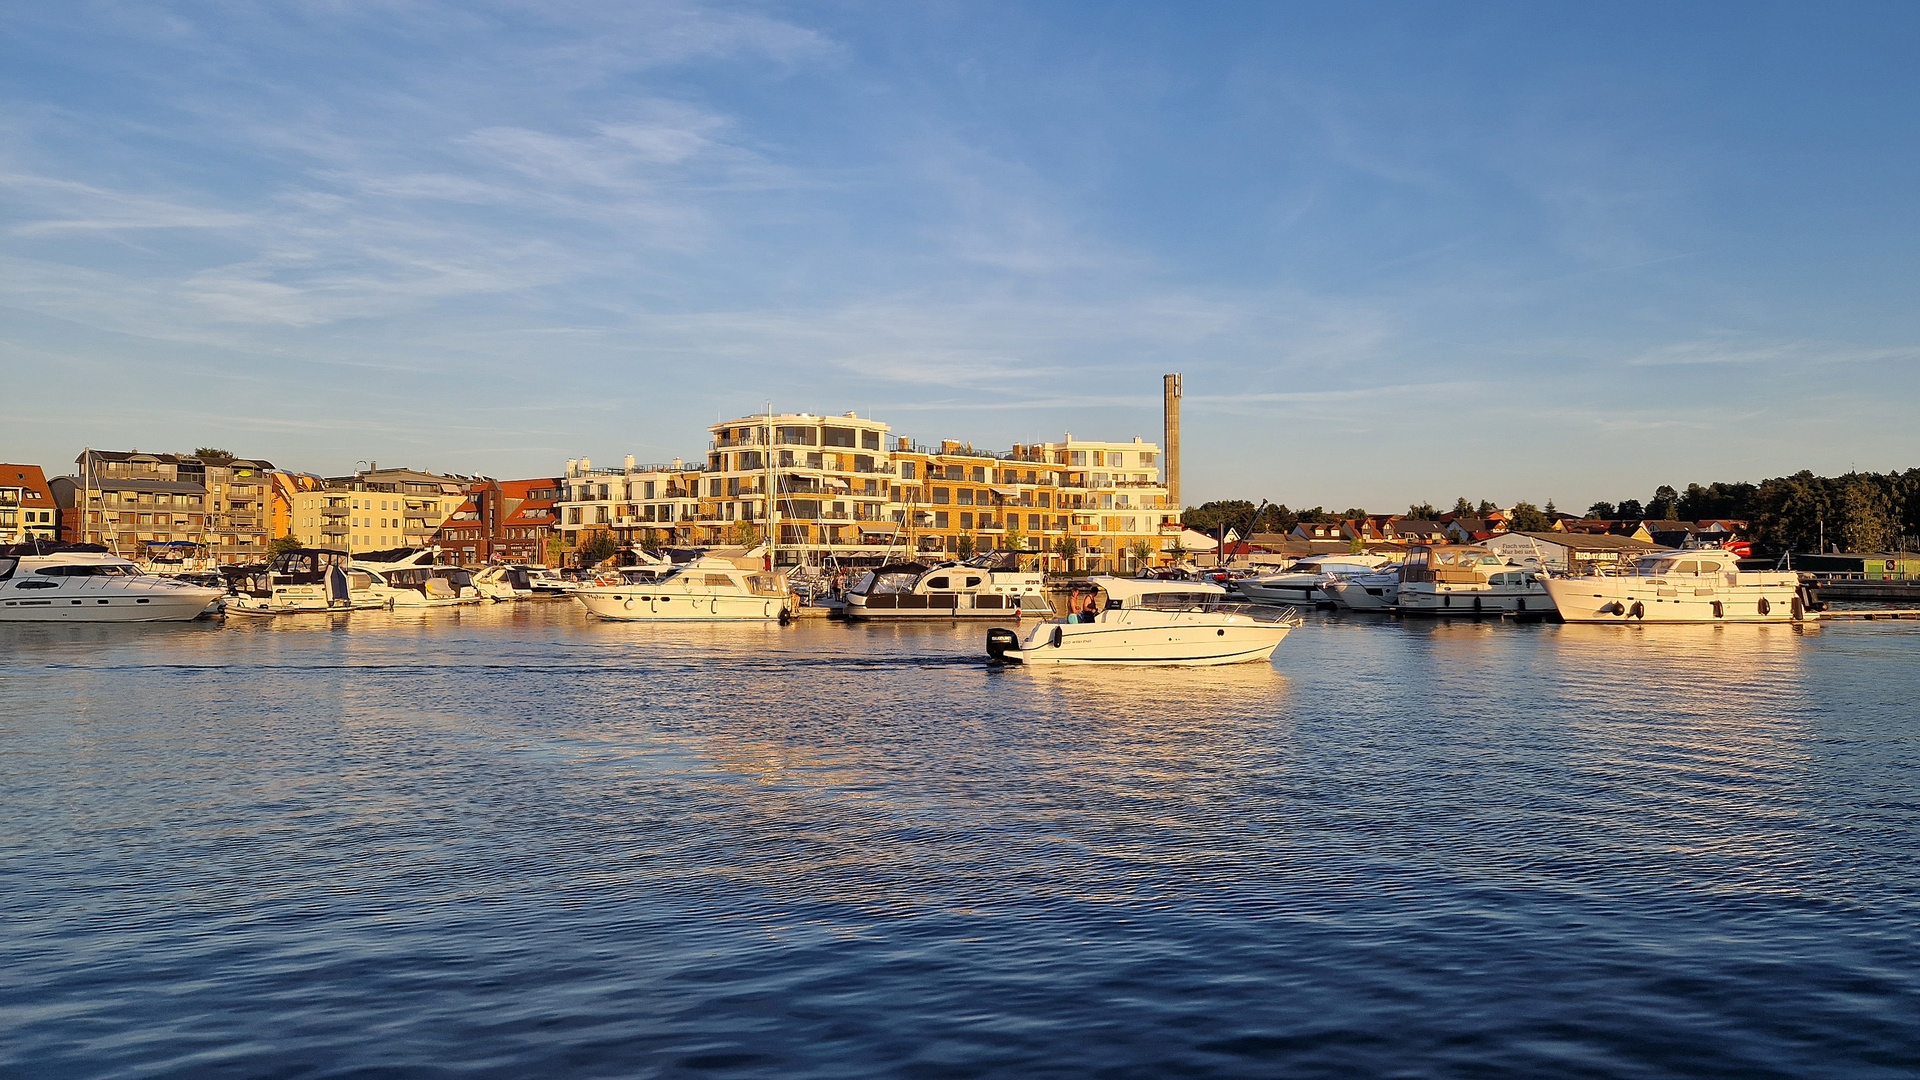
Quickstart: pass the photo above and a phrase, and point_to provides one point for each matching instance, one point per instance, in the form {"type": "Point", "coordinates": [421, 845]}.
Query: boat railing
{"type": "Point", "coordinates": [1265, 613]}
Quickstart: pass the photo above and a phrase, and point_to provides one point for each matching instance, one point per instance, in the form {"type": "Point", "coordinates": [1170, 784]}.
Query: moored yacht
{"type": "Point", "coordinates": [1378, 591]}
{"type": "Point", "coordinates": [707, 589]}
{"type": "Point", "coordinates": [1685, 586]}
{"type": "Point", "coordinates": [296, 581]}
{"type": "Point", "coordinates": [83, 583]}
{"type": "Point", "coordinates": [410, 578]}
{"type": "Point", "coordinates": [1141, 622]}
{"type": "Point", "coordinates": [1305, 581]}
{"type": "Point", "coordinates": [504, 581]}
{"type": "Point", "coordinates": [948, 590]}
{"type": "Point", "coordinates": [1462, 579]}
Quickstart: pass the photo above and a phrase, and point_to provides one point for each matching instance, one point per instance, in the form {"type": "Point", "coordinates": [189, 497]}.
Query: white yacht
{"type": "Point", "coordinates": [945, 590]}
{"type": "Point", "coordinates": [504, 581]}
{"type": "Point", "coordinates": [707, 589]}
{"type": "Point", "coordinates": [1142, 622]}
{"type": "Point", "coordinates": [297, 581]}
{"type": "Point", "coordinates": [1462, 579]}
{"type": "Point", "coordinates": [414, 580]}
{"type": "Point", "coordinates": [548, 582]}
{"type": "Point", "coordinates": [1305, 581]}
{"type": "Point", "coordinates": [1686, 586]}
{"type": "Point", "coordinates": [1378, 591]}
{"type": "Point", "coordinates": [83, 583]}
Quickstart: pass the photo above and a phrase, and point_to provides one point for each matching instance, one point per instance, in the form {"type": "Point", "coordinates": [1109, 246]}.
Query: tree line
{"type": "Point", "coordinates": [1856, 512]}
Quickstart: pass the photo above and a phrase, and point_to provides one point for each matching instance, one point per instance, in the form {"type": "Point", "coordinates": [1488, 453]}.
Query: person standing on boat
{"type": "Point", "coordinates": [1073, 606]}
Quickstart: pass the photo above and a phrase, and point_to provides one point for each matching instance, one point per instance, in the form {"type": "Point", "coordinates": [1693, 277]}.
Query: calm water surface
{"type": "Point", "coordinates": [512, 842]}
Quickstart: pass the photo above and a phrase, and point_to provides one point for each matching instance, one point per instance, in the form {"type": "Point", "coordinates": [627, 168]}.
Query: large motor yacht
{"type": "Point", "coordinates": [1305, 581]}
{"type": "Point", "coordinates": [1686, 586]}
{"type": "Point", "coordinates": [1378, 591]}
{"type": "Point", "coordinates": [410, 578]}
{"type": "Point", "coordinates": [705, 590]}
{"type": "Point", "coordinates": [83, 583]}
{"type": "Point", "coordinates": [1461, 579]}
{"type": "Point", "coordinates": [298, 581]}
{"type": "Point", "coordinates": [1142, 622]}
{"type": "Point", "coordinates": [945, 590]}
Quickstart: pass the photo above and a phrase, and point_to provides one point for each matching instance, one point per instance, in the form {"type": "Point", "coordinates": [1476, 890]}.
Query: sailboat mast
{"type": "Point", "coordinates": [773, 511]}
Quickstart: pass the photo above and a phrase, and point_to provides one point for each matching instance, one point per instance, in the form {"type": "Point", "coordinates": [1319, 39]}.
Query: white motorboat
{"type": "Point", "coordinates": [1305, 581]}
{"type": "Point", "coordinates": [298, 581]}
{"type": "Point", "coordinates": [1685, 586]}
{"type": "Point", "coordinates": [1463, 579]}
{"type": "Point", "coordinates": [707, 589]}
{"type": "Point", "coordinates": [1378, 591]}
{"type": "Point", "coordinates": [414, 580]}
{"type": "Point", "coordinates": [1143, 622]}
{"type": "Point", "coordinates": [947, 590]}
{"type": "Point", "coordinates": [548, 582]}
{"type": "Point", "coordinates": [83, 583]}
{"type": "Point", "coordinates": [504, 581]}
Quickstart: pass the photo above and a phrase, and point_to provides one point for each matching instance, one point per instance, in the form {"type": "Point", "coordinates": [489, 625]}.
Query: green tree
{"type": "Point", "coordinates": [1462, 507]}
{"type": "Point", "coordinates": [1177, 551]}
{"type": "Point", "coordinates": [1665, 503]}
{"type": "Point", "coordinates": [744, 534]}
{"type": "Point", "coordinates": [1631, 510]}
{"type": "Point", "coordinates": [649, 540]}
{"type": "Point", "coordinates": [1142, 552]}
{"type": "Point", "coordinates": [1866, 517]}
{"type": "Point", "coordinates": [1211, 517]}
{"type": "Point", "coordinates": [1527, 517]}
{"type": "Point", "coordinates": [1603, 510]}
{"type": "Point", "coordinates": [213, 456]}
{"type": "Point", "coordinates": [964, 548]}
{"type": "Point", "coordinates": [556, 551]}
{"type": "Point", "coordinates": [1484, 509]}
{"type": "Point", "coordinates": [1014, 541]}
{"type": "Point", "coordinates": [1422, 512]}
{"type": "Point", "coordinates": [597, 549]}
{"type": "Point", "coordinates": [282, 545]}
{"type": "Point", "coordinates": [1068, 549]}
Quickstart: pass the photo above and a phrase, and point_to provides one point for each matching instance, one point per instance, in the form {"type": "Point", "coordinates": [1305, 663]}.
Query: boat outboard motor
{"type": "Point", "coordinates": [337, 591]}
{"type": "Point", "coordinates": [999, 641]}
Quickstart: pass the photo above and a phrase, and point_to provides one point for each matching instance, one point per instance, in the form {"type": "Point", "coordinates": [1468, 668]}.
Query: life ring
{"type": "Point", "coordinates": [1637, 611]}
{"type": "Point", "coordinates": [1765, 607]}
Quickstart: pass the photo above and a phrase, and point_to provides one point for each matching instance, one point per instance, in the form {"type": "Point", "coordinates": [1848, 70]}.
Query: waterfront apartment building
{"type": "Point", "coordinates": [845, 487]}
{"type": "Point", "coordinates": [148, 505]}
{"type": "Point", "coordinates": [651, 505]}
{"type": "Point", "coordinates": [28, 510]}
{"type": "Point", "coordinates": [502, 521]}
{"type": "Point", "coordinates": [377, 509]}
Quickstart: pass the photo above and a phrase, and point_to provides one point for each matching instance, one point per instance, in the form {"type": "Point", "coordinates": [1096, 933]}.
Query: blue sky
{"type": "Point", "coordinates": [1398, 251]}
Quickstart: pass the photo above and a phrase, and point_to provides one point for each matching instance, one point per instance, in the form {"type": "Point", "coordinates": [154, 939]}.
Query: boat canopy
{"type": "Point", "coordinates": [1134, 592]}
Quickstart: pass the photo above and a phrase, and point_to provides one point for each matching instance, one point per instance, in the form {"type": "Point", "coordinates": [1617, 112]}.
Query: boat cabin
{"type": "Point", "coordinates": [1687, 561]}
{"type": "Point", "coordinates": [1455, 564]}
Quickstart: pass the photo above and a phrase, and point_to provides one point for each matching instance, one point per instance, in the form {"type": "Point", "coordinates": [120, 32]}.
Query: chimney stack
{"type": "Point", "coordinates": [1170, 406]}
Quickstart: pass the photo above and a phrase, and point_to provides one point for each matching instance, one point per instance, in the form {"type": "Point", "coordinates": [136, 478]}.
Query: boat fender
{"type": "Point", "coordinates": [1765, 607]}
{"type": "Point", "coordinates": [1476, 605]}
{"type": "Point", "coordinates": [629, 605]}
{"type": "Point", "coordinates": [1055, 640]}
{"type": "Point", "coordinates": [1638, 611]}
{"type": "Point", "coordinates": [1799, 609]}
{"type": "Point", "coordinates": [1719, 610]}
{"type": "Point", "coordinates": [786, 616]}
{"type": "Point", "coordinates": [1615, 608]}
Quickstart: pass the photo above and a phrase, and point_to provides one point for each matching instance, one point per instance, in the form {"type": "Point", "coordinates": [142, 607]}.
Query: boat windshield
{"type": "Point", "coordinates": [92, 570]}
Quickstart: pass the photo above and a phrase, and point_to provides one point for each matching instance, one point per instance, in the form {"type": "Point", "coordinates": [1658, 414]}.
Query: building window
{"type": "Point", "coordinates": [940, 496]}
{"type": "Point", "coordinates": [939, 519]}
{"type": "Point", "coordinates": [965, 496]}
{"type": "Point", "coordinates": [966, 521]}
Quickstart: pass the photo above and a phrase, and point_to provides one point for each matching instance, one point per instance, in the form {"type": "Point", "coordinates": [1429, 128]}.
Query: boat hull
{"type": "Point", "coordinates": [1651, 600]}
{"type": "Point", "coordinates": [637, 605]}
{"type": "Point", "coordinates": [1355, 596]}
{"type": "Point", "coordinates": [1302, 593]}
{"type": "Point", "coordinates": [1467, 601]}
{"type": "Point", "coordinates": [1167, 645]}
{"type": "Point", "coordinates": [932, 606]}
{"type": "Point", "coordinates": [183, 605]}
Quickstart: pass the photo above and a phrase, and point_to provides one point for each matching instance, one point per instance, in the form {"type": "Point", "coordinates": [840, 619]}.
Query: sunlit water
{"type": "Point", "coordinates": [512, 842]}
